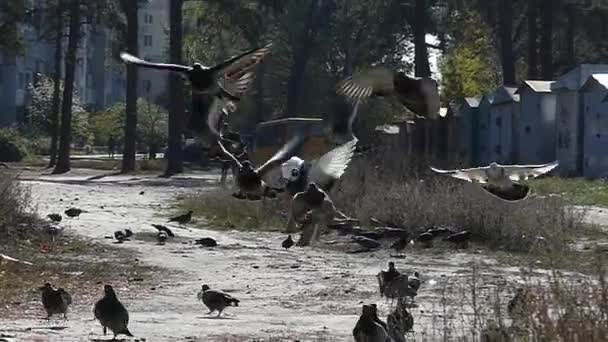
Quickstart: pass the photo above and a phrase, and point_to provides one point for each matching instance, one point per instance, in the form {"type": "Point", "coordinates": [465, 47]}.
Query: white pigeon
{"type": "Point", "coordinates": [502, 180]}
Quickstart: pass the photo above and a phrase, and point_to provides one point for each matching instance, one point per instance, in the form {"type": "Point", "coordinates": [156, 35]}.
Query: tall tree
{"type": "Point", "coordinates": [532, 39]}
{"type": "Point", "coordinates": [65, 137]}
{"type": "Point", "coordinates": [176, 91]}
{"type": "Point", "coordinates": [505, 28]}
{"type": "Point", "coordinates": [128, 159]}
{"type": "Point", "coordinates": [546, 39]}
{"type": "Point", "coordinates": [56, 83]}
{"type": "Point", "coordinates": [421, 55]}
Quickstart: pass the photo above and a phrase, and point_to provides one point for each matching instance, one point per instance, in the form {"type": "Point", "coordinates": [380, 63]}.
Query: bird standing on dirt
{"type": "Point", "coordinates": [162, 228]}
{"type": "Point", "coordinates": [414, 281]}
{"type": "Point", "coordinates": [288, 242]}
{"type": "Point", "coordinates": [161, 237]}
{"type": "Point", "coordinates": [251, 182]}
{"type": "Point", "coordinates": [420, 95]}
{"type": "Point", "coordinates": [206, 241]}
{"type": "Point", "coordinates": [55, 301]}
{"type": "Point", "coordinates": [120, 236]}
{"type": "Point", "coordinates": [73, 212]}
{"type": "Point", "coordinates": [386, 276]}
{"type": "Point", "coordinates": [111, 313]}
{"type": "Point", "coordinates": [313, 209]}
{"type": "Point", "coordinates": [216, 300]}
{"type": "Point", "coordinates": [502, 180]}
{"type": "Point", "coordinates": [368, 329]}
{"type": "Point", "coordinates": [182, 219]}
{"type": "Point", "coordinates": [54, 217]}
{"type": "Point", "coordinates": [128, 233]}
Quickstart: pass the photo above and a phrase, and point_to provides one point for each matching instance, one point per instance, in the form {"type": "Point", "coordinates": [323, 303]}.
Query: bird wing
{"type": "Point", "coordinates": [474, 175]}
{"type": "Point", "coordinates": [228, 154]}
{"type": "Point", "coordinates": [130, 59]}
{"type": "Point", "coordinates": [238, 86]}
{"type": "Point", "coordinates": [281, 156]}
{"type": "Point", "coordinates": [216, 109]}
{"type": "Point", "coordinates": [364, 84]}
{"type": "Point", "coordinates": [235, 69]}
{"type": "Point", "coordinates": [420, 95]}
{"type": "Point", "coordinates": [332, 165]}
{"type": "Point", "coordinates": [524, 172]}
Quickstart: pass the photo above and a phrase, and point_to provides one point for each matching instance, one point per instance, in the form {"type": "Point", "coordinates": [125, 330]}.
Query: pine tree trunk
{"type": "Point", "coordinates": [128, 158]}
{"type": "Point", "coordinates": [65, 138]}
{"type": "Point", "coordinates": [176, 93]}
{"type": "Point", "coordinates": [532, 39]}
{"type": "Point", "coordinates": [56, 87]}
{"type": "Point", "coordinates": [505, 22]}
{"type": "Point", "coordinates": [546, 39]}
{"type": "Point", "coordinates": [421, 55]}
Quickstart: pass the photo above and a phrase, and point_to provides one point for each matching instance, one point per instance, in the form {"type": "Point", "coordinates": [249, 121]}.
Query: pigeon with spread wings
{"type": "Point", "coordinates": [502, 180]}
{"type": "Point", "coordinates": [223, 79]}
{"type": "Point", "coordinates": [420, 95]}
{"type": "Point", "coordinates": [250, 181]}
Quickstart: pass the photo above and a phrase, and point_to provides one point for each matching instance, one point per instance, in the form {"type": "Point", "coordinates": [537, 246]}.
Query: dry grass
{"type": "Point", "coordinates": [222, 211]}
{"type": "Point", "coordinates": [386, 187]}
{"type": "Point", "coordinates": [14, 202]}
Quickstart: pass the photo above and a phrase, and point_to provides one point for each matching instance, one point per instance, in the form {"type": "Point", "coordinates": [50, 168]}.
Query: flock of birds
{"type": "Point", "coordinates": [216, 92]}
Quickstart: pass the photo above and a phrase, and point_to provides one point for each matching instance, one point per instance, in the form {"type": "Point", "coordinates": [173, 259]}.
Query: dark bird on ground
{"type": "Point", "coordinates": [161, 237]}
{"type": "Point", "coordinates": [206, 241]}
{"type": "Point", "coordinates": [215, 80]}
{"type": "Point", "coordinates": [368, 329]}
{"type": "Point", "coordinates": [288, 242]}
{"type": "Point", "coordinates": [386, 276]}
{"type": "Point", "coordinates": [128, 233]}
{"type": "Point", "coordinates": [251, 182]}
{"type": "Point", "coordinates": [400, 244]}
{"type": "Point", "coordinates": [120, 236]}
{"type": "Point", "coordinates": [73, 212]}
{"type": "Point", "coordinates": [367, 243]}
{"type": "Point", "coordinates": [461, 239]}
{"type": "Point", "coordinates": [141, 192]}
{"type": "Point", "coordinates": [216, 300]}
{"type": "Point", "coordinates": [112, 314]}
{"type": "Point", "coordinates": [502, 180]}
{"type": "Point", "coordinates": [54, 217]}
{"type": "Point", "coordinates": [419, 95]}
{"type": "Point", "coordinates": [53, 230]}
{"type": "Point", "coordinates": [414, 281]}
{"type": "Point", "coordinates": [426, 239]}
{"type": "Point", "coordinates": [55, 301]}
{"type": "Point", "coordinates": [400, 321]}
{"type": "Point", "coordinates": [182, 219]}
{"type": "Point", "coordinates": [162, 228]}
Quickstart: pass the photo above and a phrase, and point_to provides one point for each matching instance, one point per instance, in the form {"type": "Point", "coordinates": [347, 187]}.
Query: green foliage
{"type": "Point", "coordinates": [109, 122]}
{"type": "Point", "coordinates": [12, 146]}
{"type": "Point", "coordinates": [468, 68]}
{"type": "Point", "coordinates": [41, 107]}
{"type": "Point", "coordinates": [152, 124]}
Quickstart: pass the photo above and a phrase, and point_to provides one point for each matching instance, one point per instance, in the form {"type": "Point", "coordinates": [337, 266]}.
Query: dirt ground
{"type": "Point", "coordinates": [305, 294]}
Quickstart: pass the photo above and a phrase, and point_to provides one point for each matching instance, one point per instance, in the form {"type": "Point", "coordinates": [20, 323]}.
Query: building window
{"type": "Point", "coordinates": [498, 121]}
{"type": "Point", "coordinates": [147, 40]}
{"type": "Point", "coordinates": [497, 149]}
{"type": "Point", "coordinates": [527, 129]}
{"type": "Point", "coordinates": [148, 19]}
{"type": "Point", "coordinates": [147, 86]}
{"type": "Point", "coordinates": [21, 81]}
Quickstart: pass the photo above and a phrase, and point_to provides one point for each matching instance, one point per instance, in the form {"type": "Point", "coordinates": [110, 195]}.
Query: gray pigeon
{"type": "Point", "coordinates": [216, 300]}
{"type": "Point", "coordinates": [165, 229]}
{"type": "Point", "coordinates": [55, 301]}
{"type": "Point", "coordinates": [161, 237]}
{"type": "Point", "coordinates": [368, 329]}
{"type": "Point", "coordinates": [420, 95]}
{"type": "Point", "coordinates": [111, 313]}
{"type": "Point", "coordinates": [502, 180]}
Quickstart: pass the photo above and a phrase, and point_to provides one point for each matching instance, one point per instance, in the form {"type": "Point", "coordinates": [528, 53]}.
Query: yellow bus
{"type": "Point", "coordinates": [271, 135]}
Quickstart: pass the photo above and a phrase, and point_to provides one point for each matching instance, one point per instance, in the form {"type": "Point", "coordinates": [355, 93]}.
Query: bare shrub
{"type": "Point", "coordinates": [388, 186]}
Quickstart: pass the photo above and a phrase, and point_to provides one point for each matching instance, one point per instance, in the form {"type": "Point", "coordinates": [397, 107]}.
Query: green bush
{"type": "Point", "coordinates": [12, 146]}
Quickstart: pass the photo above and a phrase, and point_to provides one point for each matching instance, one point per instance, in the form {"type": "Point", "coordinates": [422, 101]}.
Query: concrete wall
{"type": "Point", "coordinates": [537, 127]}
